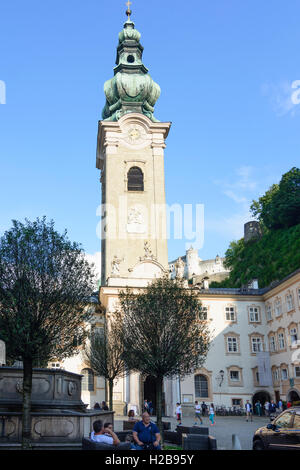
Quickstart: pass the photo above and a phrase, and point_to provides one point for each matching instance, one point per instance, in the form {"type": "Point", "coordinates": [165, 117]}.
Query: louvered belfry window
{"type": "Point", "coordinates": [135, 179]}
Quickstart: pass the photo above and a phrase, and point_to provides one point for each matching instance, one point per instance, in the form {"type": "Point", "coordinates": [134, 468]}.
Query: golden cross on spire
{"type": "Point", "coordinates": [128, 12]}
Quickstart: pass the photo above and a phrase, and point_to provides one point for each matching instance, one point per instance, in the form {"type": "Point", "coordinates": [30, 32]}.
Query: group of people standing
{"type": "Point", "coordinates": [148, 406]}
{"type": "Point", "coordinates": [268, 407]}
{"type": "Point", "coordinates": [203, 408]}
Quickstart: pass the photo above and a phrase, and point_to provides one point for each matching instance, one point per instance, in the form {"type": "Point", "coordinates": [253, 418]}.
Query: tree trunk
{"type": "Point", "coordinates": [110, 393]}
{"type": "Point", "coordinates": [159, 389]}
{"type": "Point", "coordinates": [27, 387]}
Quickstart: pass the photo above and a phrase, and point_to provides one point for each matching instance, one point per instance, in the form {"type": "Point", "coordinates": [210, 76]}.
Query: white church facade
{"type": "Point", "coordinates": [254, 331]}
{"type": "Point", "coordinates": [254, 353]}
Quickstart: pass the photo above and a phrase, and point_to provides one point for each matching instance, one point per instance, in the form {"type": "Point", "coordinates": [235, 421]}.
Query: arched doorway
{"type": "Point", "coordinates": [262, 397]}
{"type": "Point", "coordinates": [293, 395]}
{"type": "Point", "coordinates": [150, 392]}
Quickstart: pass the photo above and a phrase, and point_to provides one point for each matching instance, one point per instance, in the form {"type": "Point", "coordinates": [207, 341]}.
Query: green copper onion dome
{"type": "Point", "coordinates": [129, 32]}
{"type": "Point", "coordinates": [131, 90]}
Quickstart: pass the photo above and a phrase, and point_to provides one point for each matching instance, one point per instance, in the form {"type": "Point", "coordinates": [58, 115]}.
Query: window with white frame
{"type": "Point", "coordinates": [294, 336]}
{"type": "Point", "coordinates": [256, 344]}
{"type": "Point", "coordinates": [284, 374]}
{"type": "Point", "coordinates": [281, 341]}
{"type": "Point", "coordinates": [232, 344]}
{"type": "Point", "coordinates": [297, 371]}
{"type": "Point", "coordinates": [278, 309]}
{"type": "Point", "coordinates": [254, 314]}
{"type": "Point", "coordinates": [230, 313]}
{"type": "Point", "coordinates": [272, 344]}
{"type": "Point", "coordinates": [269, 312]}
{"type": "Point", "coordinates": [55, 365]}
{"type": "Point", "coordinates": [235, 376]}
{"type": "Point", "coordinates": [257, 377]}
{"type": "Point", "coordinates": [275, 375]}
{"type": "Point", "coordinates": [289, 302]}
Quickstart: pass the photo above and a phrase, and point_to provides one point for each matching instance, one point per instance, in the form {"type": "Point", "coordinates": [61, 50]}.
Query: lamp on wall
{"type": "Point", "coordinates": [220, 377]}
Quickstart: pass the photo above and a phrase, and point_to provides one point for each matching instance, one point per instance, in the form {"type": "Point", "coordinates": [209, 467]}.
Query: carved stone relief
{"type": "Point", "coordinates": [135, 221]}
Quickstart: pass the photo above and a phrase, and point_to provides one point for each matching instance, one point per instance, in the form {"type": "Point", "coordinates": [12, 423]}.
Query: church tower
{"type": "Point", "coordinates": [130, 156]}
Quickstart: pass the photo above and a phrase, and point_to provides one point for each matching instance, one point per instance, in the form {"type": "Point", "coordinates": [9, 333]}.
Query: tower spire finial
{"type": "Point", "coordinates": [128, 11]}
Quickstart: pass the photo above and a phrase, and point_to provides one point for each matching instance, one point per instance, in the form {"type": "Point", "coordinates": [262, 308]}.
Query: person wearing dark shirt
{"type": "Point", "coordinates": [146, 434]}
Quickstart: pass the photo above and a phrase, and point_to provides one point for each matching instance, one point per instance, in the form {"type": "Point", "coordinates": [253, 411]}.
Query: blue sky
{"type": "Point", "coordinates": [225, 68]}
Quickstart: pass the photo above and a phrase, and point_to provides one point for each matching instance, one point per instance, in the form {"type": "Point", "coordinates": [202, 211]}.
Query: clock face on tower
{"type": "Point", "coordinates": [134, 135]}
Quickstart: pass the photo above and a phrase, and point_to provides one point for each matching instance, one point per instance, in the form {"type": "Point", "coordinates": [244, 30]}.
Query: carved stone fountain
{"type": "Point", "coordinates": [59, 417]}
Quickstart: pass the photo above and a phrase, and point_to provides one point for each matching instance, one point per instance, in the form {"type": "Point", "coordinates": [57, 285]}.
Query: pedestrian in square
{"type": "Point", "coordinates": [146, 405]}
{"type": "Point", "coordinates": [248, 411]}
{"type": "Point", "coordinates": [212, 414]}
{"type": "Point", "coordinates": [258, 408]}
{"type": "Point", "coordinates": [267, 408]}
{"type": "Point", "coordinates": [198, 413]}
{"type": "Point", "coordinates": [150, 408]}
{"type": "Point", "coordinates": [178, 413]}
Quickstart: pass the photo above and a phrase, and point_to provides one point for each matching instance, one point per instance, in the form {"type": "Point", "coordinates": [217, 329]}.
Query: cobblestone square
{"type": "Point", "coordinates": [223, 430]}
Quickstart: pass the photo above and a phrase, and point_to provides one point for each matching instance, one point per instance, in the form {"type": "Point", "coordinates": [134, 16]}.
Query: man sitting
{"type": "Point", "coordinates": [104, 433]}
{"type": "Point", "coordinates": [146, 434]}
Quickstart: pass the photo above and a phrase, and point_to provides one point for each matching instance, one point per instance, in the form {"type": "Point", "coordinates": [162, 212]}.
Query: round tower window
{"type": "Point", "coordinates": [130, 59]}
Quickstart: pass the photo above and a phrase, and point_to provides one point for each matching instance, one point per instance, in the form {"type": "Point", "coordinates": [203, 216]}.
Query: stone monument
{"type": "Point", "coordinates": [59, 418]}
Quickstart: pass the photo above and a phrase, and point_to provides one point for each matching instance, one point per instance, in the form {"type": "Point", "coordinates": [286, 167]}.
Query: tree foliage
{"type": "Point", "coordinates": [45, 285]}
{"type": "Point", "coordinates": [279, 207]}
{"type": "Point", "coordinates": [277, 253]}
{"type": "Point", "coordinates": [161, 332]}
{"type": "Point", "coordinates": [270, 258]}
{"type": "Point", "coordinates": [104, 354]}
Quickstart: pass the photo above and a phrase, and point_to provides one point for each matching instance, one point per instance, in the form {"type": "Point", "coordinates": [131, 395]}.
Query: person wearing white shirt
{"type": "Point", "coordinates": [248, 411]}
{"type": "Point", "coordinates": [178, 413]}
{"type": "Point", "coordinates": [104, 434]}
{"type": "Point", "coordinates": [198, 413]}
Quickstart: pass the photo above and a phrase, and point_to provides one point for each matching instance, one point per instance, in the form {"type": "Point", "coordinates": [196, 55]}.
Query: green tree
{"type": "Point", "coordinates": [161, 332]}
{"type": "Point", "coordinates": [104, 354]}
{"type": "Point", "coordinates": [45, 284]}
{"type": "Point", "coordinates": [280, 205]}
{"type": "Point", "coordinates": [272, 257]}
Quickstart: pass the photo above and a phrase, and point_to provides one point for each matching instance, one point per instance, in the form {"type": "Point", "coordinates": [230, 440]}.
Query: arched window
{"type": "Point", "coordinates": [201, 386]}
{"type": "Point", "coordinates": [135, 179]}
{"type": "Point", "coordinates": [87, 383]}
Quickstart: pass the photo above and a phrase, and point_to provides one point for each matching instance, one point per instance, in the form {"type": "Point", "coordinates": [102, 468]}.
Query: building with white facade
{"type": "Point", "coordinates": [254, 353]}
{"type": "Point", "coordinates": [254, 331]}
{"type": "Point", "coordinates": [197, 270]}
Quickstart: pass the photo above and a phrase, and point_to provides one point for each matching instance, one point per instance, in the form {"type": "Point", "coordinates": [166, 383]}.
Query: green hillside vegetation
{"type": "Point", "coordinates": [276, 253]}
